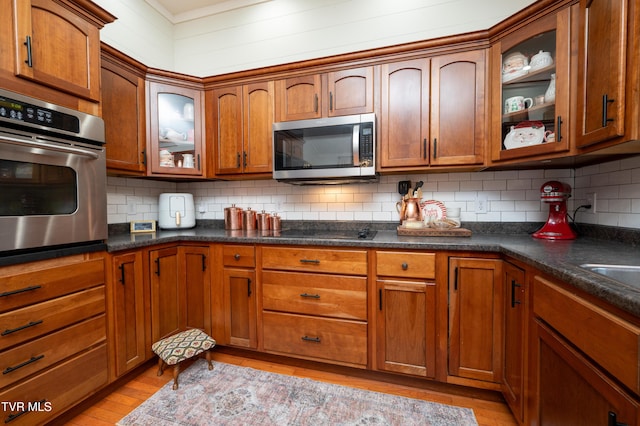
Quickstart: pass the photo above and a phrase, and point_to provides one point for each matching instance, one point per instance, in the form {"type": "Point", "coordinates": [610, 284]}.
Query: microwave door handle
{"type": "Point", "coordinates": [34, 144]}
{"type": "Point", "coordinates": [356, 145]}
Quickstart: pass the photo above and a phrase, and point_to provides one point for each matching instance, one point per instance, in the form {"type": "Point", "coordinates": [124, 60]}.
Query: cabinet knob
{"type": "Point", "coordinates": [236, 256]}
{"type": "Point", "coordinates": [405, 266]}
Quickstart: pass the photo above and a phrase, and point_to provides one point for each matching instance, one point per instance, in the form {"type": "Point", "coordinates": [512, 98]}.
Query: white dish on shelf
{"type": "Point", "coordinates": [523, 136]}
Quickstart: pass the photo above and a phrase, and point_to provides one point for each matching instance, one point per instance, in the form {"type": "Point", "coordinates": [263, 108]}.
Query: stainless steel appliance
{"type": "Point", "coordinates": [52, 175]}
{"type": "Point", "coordinates": [326, 150]}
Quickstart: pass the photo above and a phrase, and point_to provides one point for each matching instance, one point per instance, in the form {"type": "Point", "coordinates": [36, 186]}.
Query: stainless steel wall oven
{"type": "Point", "coordinates": [52, 175]}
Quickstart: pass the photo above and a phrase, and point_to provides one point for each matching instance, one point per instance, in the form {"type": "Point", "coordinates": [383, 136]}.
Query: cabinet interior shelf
{"type": "Point", "coordinates": [543, 74]}
{"type": "Point", "coordinates": [521, 115]}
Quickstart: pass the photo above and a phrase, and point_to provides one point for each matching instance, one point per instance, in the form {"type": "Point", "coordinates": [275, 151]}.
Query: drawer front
{"type": "Point", "coordinates": [338, 296]}
{"type": "Point", "coordinates": [79, 376]}
{"type": "Point", "coordinates": [608, 340]}
{"type": "Point", "coordinates": [331, 340]}
{"type": "Point", "coordinates": [36, 320]}
{"type": "Point", "coordinates": [406, 265]}
{"type": "Point", "coordinates": [29, 358]}
{"type": "Point", "coordinates": [21, 288]}
{"type": "Point", "coordinates": [350, 262]}
{"type": "Point", "coordinates": [236, 255]}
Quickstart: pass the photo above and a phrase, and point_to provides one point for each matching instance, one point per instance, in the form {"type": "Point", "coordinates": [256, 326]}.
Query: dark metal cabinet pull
{"type": "Point", "coordinates": [236, 256]}
{"type": "Point", "coordinates": [311, 339]}
{"type": "Point", "coordinates": [244, 159]}
{"type": "Point", "coordinates": [435, 148]}
{"type": "Point", "coordinates": [238, 161]}
{"type": "Point", "coordinates": [22, 327]}
{"type": "Point", "coordinates": [424, 149]}
{"type": "Point", "coordinates": [315, 102]}
{"type": "Point", "coordinates": [405, 266]}
{"type": "Point", "coordinates": [514, 285]}
{"type": "Point", "coordinates": [330, 101]}
{"type": "Point", "coordinates": [455, 278]}
{"type": "Point", "coordinates": [158, 266]}
{"type": "Point", "coordinates": [248, 287]}
{"type": "Point", "coordinates": [315, 261]}
{"type": "Point", "coordinates": [380, 299]}
{"type": "Point", "coordinates": [23, 364]}
{"type": "Point", "coordinates": [612, 420]}
{"type": "Point", "coordinates": [310, 296]}
{"type": "Point", "coordinates": [21, 290]}
{"type": "Point", "coordinates": [121, 267]}
{"type": "Point", "coordinates": [29, 60]}
{"type": "Point", "coordinates": [204, 263]}
{"type": "Point", "coordinates": [559, 129]}
{"type": "Point", "coordinates": [198, 161]}
{"type": "Point", "coordinates": [605, 107]}
{"type": "Point", "coordinates": [12, 417]}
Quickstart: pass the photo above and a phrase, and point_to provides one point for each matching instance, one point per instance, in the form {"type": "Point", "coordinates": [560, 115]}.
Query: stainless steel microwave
{"type": "Point", "coordinates": [325, 150]}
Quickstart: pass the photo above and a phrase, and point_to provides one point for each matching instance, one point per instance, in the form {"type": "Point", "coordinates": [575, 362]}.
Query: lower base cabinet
{"type": "Point", "coordinates": [239, 289]}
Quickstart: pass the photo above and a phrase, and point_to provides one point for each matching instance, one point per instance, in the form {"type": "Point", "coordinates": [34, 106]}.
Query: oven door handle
{"type": "Point", "coordinates": [35, 144]}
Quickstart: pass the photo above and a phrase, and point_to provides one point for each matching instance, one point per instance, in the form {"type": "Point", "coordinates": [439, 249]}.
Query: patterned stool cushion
{"type": "Point", "coordinates": [183, 345]}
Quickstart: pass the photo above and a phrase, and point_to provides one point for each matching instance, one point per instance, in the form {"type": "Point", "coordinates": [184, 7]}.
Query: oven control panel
{"type": "Point", "coordinates": [18, 111]}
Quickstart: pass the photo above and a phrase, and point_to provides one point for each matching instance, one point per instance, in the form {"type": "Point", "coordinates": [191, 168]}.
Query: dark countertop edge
{"type": "Point", "coordinates": [523, 247]}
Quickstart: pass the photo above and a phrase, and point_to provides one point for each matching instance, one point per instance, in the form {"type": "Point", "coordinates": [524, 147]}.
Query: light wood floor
{"type": "Point", "coordinates": [107, 410]}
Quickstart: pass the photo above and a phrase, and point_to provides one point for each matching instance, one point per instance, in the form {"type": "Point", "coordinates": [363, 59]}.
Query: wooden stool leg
{"type": "Point", "coordinates": [161, 366]}
{"type": "Point", "coordinates": [208, 357]}
{"type": "Point", "coordinates": [176, 372]}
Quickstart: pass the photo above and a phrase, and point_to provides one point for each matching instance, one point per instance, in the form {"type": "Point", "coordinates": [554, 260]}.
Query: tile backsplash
{"type": "Point", "coordinates": [510, 196]}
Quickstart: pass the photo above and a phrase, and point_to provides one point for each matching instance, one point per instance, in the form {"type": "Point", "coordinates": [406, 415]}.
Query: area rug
{"type": "Point", "coordinates": [233, 395]}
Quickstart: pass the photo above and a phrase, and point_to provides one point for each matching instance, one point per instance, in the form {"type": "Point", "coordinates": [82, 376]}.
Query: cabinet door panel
{"type": "Point", "coordinates": [166, 295]}
{"type": "Point", "coordinates": [602, 65]}
{"type": "Point", "coordinates": [405, 114]}
{"type": "Point", "coordinates": [240, 307]}
{"type": "Point", "coordinates": [258, 122]}
{"type": "Point", "coordinates": [350, 91]}
{"type": "Point", "coordinates": [458, 129]}
{"type": "Point", "coordinates": [298, 98]}
{"type": "Point", "coordinates": [227, 110]}
{"type": "Point", "coordinates": [198, 288]}
{"type": "Point", "coordinates": [65, 50]}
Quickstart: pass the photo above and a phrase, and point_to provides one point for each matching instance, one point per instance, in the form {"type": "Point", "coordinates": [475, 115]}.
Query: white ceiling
{"type": "Point", "coordinates": [185, 10]}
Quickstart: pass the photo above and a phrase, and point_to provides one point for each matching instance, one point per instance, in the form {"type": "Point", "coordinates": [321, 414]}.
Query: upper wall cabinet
{"type": "Point", "coordinates": [605, 52]}
{"type": "Point", "coordinates": [58, 46]}
{"type": "Point", "coordinates": [175, 130]}
{"type": "Point", "coordinates": [531, 101]}
{"type": "Point", "coordinates": [433, 112]}
{"type": "Point", "coordinates": [325, 95]}
{"type": "Point", "coordinates": [124, 113]}
{"type": "Point", "coordinates": [242, 119]}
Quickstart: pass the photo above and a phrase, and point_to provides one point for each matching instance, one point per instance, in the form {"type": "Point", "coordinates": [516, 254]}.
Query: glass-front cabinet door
{"type": "Point", "coordinates": [530, 105]}
{"type": "Point", "coordinates": [176, 143]}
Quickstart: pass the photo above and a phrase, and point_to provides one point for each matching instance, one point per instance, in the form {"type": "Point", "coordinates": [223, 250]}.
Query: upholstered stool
{"type": "Point", "coordinates": [187, 344]}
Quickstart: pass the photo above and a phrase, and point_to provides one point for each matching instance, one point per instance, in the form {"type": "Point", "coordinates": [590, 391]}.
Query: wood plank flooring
{"type": "Point", "coordinates": [118, 402]}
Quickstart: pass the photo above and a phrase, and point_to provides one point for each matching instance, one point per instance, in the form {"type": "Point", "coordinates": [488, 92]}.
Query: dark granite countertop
{"type": "Point", "coordinates": [560, 259]}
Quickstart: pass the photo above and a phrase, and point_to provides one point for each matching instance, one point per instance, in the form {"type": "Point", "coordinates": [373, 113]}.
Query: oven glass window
{"type": "Point", "coordinates": [31, 189]}
{"type": "Point", "coordinates": [316, 148]}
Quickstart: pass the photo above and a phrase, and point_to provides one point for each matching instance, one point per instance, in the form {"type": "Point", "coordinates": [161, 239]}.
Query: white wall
{"type": "Point", "coordinates": [513, 196]}
{"type": "Point", "coordinates": [282, 31]}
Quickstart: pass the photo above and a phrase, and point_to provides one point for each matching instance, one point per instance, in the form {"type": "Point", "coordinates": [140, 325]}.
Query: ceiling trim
{"type": "Point", "coordinates": [202, 12]}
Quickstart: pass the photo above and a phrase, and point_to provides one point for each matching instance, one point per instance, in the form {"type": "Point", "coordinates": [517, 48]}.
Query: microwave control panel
{"type": "Point", "coordinates": [366, 143]}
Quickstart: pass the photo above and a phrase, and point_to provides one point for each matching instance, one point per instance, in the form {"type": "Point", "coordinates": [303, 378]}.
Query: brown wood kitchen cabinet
{"type": "Point", "coordinates": [239, 296]}
{"type": "Point", "coordinates": [607, 59]}
{"type": "Point", "coordinates": [585, 374]}
{"type": "Point", "coordinates": [314, 304]}
{"type": "Point", "coordinates": [475, 320]}
{"type": "Point", "coordinates": [175, 129]}
{"type": "Point", "coordinates": [433, 112]}
{"type": "Point", "coordinates": [53, 317]}
{"type": "Point", "coordinates": [406, 313]}
{"type": "Point", "coordinates": [129, 302]}
{"type": "Point", "coordinates": [241, 126]}
{"type": "Point", "coordinates": [180, 289]}
{"type": "Point", "coordinates": [54, 44]}
{"type": "Point", "coordinates": [124, 112]}
{"type": "Point", "coordinates": [342, 92]}
{"type": "Point", "coordinates": [516, 311]}
{"type": "Point", "coordinates": [527, 63]}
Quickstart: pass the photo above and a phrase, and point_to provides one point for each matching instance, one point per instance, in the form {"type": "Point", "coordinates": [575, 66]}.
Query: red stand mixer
{"type": "Point", "coordinates": [557, 227]}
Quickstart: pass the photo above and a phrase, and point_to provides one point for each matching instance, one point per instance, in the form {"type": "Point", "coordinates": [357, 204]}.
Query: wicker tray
{"type": "Point", "coordinates": [432, 232]}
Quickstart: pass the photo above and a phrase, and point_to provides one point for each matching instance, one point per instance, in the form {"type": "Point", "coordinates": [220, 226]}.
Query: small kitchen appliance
{"type": "Point", "coordinates": [176, 211]}
{"type": "Point", "coordinates": [557, 227]}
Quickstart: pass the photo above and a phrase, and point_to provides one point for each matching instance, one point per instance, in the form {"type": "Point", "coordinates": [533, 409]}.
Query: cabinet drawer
{"type": "Point", "coordinates": [243, 256]}
{"type": "Point", "coordinates": [29, 358]}
{"type": "Point", "coordinates": [43, 281]}
{"type": "Point", "coordinates": [33, 321]}
{"type": "Point", "coordinates": [80, 376]}
{"type": "Point", "coordinates": [333, 340]}
{"type": "Point", "coordinates": [610, 341]}
{"type": "Point", "coordinates": [336, 296]}
{"type": "Point", "coordinates": [351, 262]}
{"type": "Point", "coordinates": [406, 265]}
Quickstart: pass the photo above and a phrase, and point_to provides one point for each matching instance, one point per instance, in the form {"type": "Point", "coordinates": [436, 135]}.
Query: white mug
{"type": "Point", "coordinates": [187, 160]}
{"type": "Point", "coordinates": [517, 103]}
